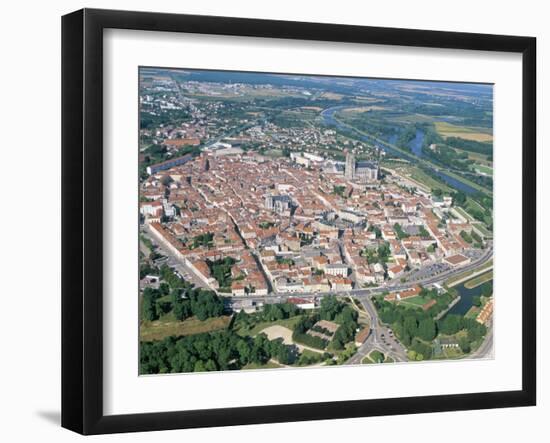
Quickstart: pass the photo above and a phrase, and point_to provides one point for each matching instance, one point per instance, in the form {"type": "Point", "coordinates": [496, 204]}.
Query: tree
{"type": "Point", "coordinates": [426, 329]}
{"type": "Point", "coordinates": [451, 324]}
{"type": "Point", "coordinates": [149, 304]}
{"type": "Point", "coordinates": [199, 366]}
{"type": "Point", "coordinates": [464, 345]}
{"type": "Point", "coordinates": [410, 325]}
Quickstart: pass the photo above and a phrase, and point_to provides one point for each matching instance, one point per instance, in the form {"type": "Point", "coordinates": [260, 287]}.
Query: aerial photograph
{"type": "Point", "coordinates": [293, 221]}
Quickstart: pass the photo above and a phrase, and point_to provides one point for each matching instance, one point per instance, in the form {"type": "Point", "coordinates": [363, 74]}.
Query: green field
{"type": "Point", "coordinates": [479, 280]}
{"type": "Point", "coordinates": [462, 212]}
{"type": "Point", "coordinates": [167, 326]}
{"type": "Point", "coordinates": [479, 158]}
{"type": "Point", "coordinates": [416, 174]}
{"type": "Point", "coordinates": [451, 281]}
{"type": "Point", "coordinates": [417, 301]}
{"type": "Point", "coordinates": [466, 132]}
{"type": "Point", "coordinates": [376, 356]}
{"type": "Point", "coordinates": [484, 169]}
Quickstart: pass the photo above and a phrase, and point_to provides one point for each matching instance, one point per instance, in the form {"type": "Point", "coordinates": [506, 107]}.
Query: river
{"type": "Point", "coordinates": [416, 147]}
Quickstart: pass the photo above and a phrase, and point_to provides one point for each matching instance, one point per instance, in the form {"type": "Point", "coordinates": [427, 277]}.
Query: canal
{"type": "Point", "coordinates": [416, 148]}
{"type": "Point", "coordinates": [466, 298]}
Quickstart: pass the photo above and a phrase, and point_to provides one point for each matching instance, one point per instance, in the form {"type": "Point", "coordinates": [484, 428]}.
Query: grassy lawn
{"type": "Point", "coordinates": [481, 227]}
{"type": "Point", "coordinates": [462, 212]}
{"type": "Point", "coordinates": [452, 353]}
{"type": "Point", "coordinates": [376, 356]}
{"type": "Point", "coordinates": [484, 169]}
{"type": "Point", "coordinates": [417, 301]}
{"type": "Point", "coordinates": [287, 323]}
{"type": "Point", "coordinates": [366, 361]}
{"type": "Point", "coordinates": [389, 360]}
{"type": "Point", "coordinates": [457, 278]}
{"type": "Point", "coordinates": [472, 312]}
{"type": "Point", "coordinates": [477, 157]}
{"type": "Point", "coordinates": [167, 326]}
{"type": "Point", "coordinates": [416, 174]}
{"type": "Point", "coordinates": [479, 280]}
{"type": "Point", "coordinates": [268, 365]}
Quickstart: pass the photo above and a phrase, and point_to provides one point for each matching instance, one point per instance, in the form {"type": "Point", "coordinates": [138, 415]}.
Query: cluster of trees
{"type": "Point", "coordinates": [266, 225]}
{"type": "Point", "coordinates": [339, 190]}
{"type": "Point", "coordinates": [380, 254]}
{"type": "Point", "coordinates": [179, 296]}
{"type": "Point", "coordinates": [419, 350]}
{"type": "Point", "coordinates": [221, 270]}
{"type": "Point", "coordinates": [459, 198]}
{"type": "Point", "coordinates": [423, 232]}
{"type": "Point", "coordinates": [311, 358]}
{"type": "Point", "coordinates": [300, 334]}
{"type": "Point", "coordinates": [332, 309]}
{"type": "Point", "coordinates": [416, 329]}
{"type": "Point", "coordinates": [322, 330]}
{"type": "Point", "coordinates": [451, 158]}
{"type": "Point", "coordinates": [375, 123]}
{"type": "Point", "coordinates": [201, 303]}
{"type": "Point", "coordinates": [284, 261]}
{"type": "Point", "coordinates": [399, 231]}
{"type": "Point", "coordinates": [484, 216]}
{"type": "Point", "coordinates": [470, 145]}
{"type": "Point", "coordinates": [375, 229]}
{"type": "Point", "coordinates": [202, 240]}
{"type": "Point", "coordinates": [213, 351]}
{"type": "Point", "coordinates": [270, 312]}
{"type": "Point", "coordinates": [197, 302]}
{"type": "Point", "coordinates": [451, 324]}
{"type": "Point", "coordinates": [406, 137]}
{"type": "Point", "coordinates": [151, 309]}
{"type": "Point", "coordinates": [466, 237]}
{"type": "Point", "coordinates": [145, 268]}
{"type": "Point", "coordinates": [154, 120]}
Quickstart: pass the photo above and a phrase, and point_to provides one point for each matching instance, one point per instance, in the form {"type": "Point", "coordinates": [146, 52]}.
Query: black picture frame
{"type": "Point", "coordinates": [82, 215]}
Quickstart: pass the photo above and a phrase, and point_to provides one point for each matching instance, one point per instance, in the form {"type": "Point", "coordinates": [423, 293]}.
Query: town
{"type": "Point", "coordinates": [256, 212]}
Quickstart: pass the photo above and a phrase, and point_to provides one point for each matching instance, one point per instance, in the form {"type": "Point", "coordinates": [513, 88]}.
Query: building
{"type": "Point", "coordinates": [457, 260]}
{"type": "Point", "coordinates": [278, 203]}
{"type": "Point", "coordinates": [361, 336]}
{"type": "Point", "coordinates": [485, 313]}
{"type": "Point", "coordinates": [363, 171]}
{"type": "Point", "coordinates": [366, 171]}
{"type": "Point", "coordinates": [349, 171]}
{"type": "Point", "coordinates": [336, 269]}
{"type": "Point", "coordinates": [153, 169]}
{"type": "Point", "coordinates": [302, 303]}
{"type": "Point", "coordinates": [406, 293]}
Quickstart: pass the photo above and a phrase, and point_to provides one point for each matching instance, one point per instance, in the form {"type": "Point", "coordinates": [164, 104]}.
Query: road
{"type": "Point", "coordinates": [379, 338]}
{"type": "Point", "coordinates": [486, 348]}
{"type": "Point", "coordinates": [175, 263]}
